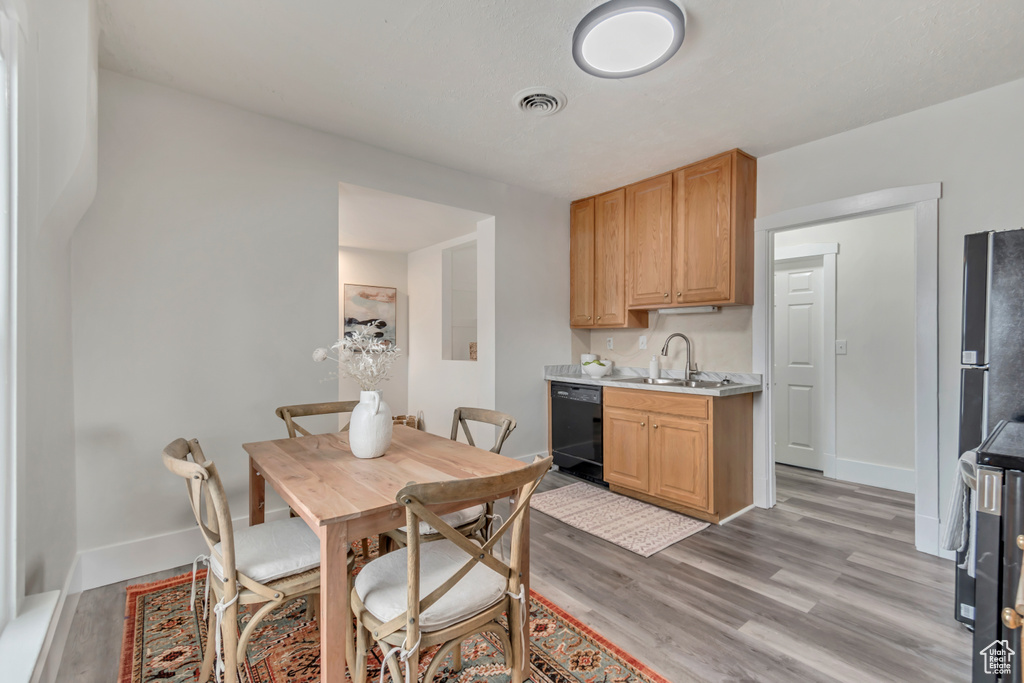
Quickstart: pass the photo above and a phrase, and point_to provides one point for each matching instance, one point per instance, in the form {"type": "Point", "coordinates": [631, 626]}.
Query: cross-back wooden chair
{"type": "Point", "coordinates": [463, 416]}
{"type": "Point", "coordinates": [289, 413]}
{"type": "Point", "coordinates": [475, 520]}
{"type": "Point", "coordinates": [440, 593]}
{"type": "Point", "coordinates": [271, 563]}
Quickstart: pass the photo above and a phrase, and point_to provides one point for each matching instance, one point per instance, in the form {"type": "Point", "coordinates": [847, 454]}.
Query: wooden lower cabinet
{"type": "Point", "coordinates": [678, 456]}
{"type": "Point", "coordinates": [693, 454]}
{"type": "Point", "coordinates": [625, 438]}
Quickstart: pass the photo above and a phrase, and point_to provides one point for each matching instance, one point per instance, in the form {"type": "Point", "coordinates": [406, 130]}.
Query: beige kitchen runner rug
{"type": "Point", "coordinates": [631, 524]}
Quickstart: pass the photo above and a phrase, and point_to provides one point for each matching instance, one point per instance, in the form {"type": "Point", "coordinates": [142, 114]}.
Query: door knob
{"type": "Point", "coordinates": [1011, 619]}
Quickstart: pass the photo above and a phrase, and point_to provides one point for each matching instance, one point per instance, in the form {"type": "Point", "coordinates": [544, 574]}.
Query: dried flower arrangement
{"type": "Point", "coordinates": [363, 356]}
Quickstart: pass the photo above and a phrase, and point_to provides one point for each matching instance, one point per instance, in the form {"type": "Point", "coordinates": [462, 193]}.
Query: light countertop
{"type": "Point", "coordinates": [743, 383]}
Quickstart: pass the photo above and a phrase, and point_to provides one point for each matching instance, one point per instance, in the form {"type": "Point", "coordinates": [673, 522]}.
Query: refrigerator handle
{"type": "Point", "coordinates": [974, 324]}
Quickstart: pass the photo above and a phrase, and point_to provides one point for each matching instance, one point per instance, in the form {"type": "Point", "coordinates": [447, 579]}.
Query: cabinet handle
{"type": "Point", "coordinates": [679, 293]}
{"type": "Point", "coordinates": [666, 295]}
{"type": "Point", "coordinates": [588, 317]}
{"type": "Point", "coordinates": [643, 424]}
{"type": "Point", "coordinates": [655, 426]}
{"type": "Point", "coordinates": [598, 317]}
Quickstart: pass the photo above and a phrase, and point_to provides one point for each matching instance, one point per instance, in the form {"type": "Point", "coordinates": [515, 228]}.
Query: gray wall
{"type": "Point", "coordinates": [206, 271]}
{"type": "Point", "coordinates": [974, 146]}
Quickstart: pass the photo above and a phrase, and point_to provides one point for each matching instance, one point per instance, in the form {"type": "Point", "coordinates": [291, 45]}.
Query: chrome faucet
{"type": "Point", "coordinates": [664, 351]}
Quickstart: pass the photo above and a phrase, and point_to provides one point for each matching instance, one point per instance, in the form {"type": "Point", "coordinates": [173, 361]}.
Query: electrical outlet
{"type": "Point", "coordinates": [840, 347]}
{"type": "Point", "coordinates": [611, 343]}
{"type": "Point", "coordinates": [643, 342]}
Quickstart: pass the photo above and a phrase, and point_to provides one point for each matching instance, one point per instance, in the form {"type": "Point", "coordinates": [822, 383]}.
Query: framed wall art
{"type": "Point", "coordinates": [369, 305]}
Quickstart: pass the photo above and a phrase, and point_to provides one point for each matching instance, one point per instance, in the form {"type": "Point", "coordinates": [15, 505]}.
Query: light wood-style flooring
{"type": "Point", "coordinates": [827, 586]}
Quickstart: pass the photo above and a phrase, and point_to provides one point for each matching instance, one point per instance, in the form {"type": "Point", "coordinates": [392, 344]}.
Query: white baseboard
{"type": "Point", "coordinates": [882, 476]}
{"type": "Point", "coordinates": [48, 663]}
{"type": "Point", "coordinates": [24, 638]}
{"type": "Point", "coordinates": [926, 536]}
{"type": "Point", "coordinates": [131, 559]}
{"type": "Point", "coordinates": [529, 457]}
{"type": "Point", "coordinates": [829, 465]}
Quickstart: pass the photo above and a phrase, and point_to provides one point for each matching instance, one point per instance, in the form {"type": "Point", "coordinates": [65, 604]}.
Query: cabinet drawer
{"type": "Point", "coordinates": [682, 405]}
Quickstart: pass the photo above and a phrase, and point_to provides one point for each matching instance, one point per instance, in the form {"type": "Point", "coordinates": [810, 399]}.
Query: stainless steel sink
{"type": "Point", "coordinates": [672, 382]}
{"type": "Point", "coordinates": [703, 384]}
{"type": "Point", "coordinates": [648, 380]}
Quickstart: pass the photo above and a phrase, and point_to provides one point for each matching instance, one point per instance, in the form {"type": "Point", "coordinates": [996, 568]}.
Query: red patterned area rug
{"type": "Point", "coordinates": [163, 640]}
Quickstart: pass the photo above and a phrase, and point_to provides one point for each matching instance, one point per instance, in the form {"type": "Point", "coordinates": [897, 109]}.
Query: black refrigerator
{"type": "Point", "coordinates": [991, 406]}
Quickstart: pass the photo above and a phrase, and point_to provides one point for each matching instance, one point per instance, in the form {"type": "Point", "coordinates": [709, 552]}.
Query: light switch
{"type": "Point", "coordinates": [840, 347]}
{"type": "Point", "coordinates": [643, 342]}
{"type": "Point", "coordinates": [611, 343]}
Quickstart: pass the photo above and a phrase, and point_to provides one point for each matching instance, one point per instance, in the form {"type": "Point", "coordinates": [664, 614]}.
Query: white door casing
{"type": "Point", "coordinates": [924, 199]}
{"type": "Point", "coordinates": [798, 382]}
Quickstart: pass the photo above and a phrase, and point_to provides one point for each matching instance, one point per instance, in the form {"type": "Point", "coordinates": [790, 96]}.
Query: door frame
{"type": "Point", "coordinates": [924, 200]}
{"type": "Point", "coordinates": [827, 251]}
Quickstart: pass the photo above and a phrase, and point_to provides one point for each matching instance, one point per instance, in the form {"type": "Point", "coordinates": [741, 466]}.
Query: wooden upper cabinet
{"type": "Point", "coordinates": [649, 241]}
{"type": "Point", "coordinates": [581, 263]}
{"type": "Point", "coordinates": [684, 238]}
{"type": "Point", "coordinates": [714, 231]}
{"type": "Point", "coordinates": [610, 258]}
{"type": "Point", "coordinates": [597, 263]}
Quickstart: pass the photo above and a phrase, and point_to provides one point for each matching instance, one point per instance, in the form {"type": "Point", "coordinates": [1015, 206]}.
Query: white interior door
{"type": "Point", "coordinates": [799, 362]}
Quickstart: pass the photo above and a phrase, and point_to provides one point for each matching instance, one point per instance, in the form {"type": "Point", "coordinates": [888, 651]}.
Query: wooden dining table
{"type": "Point", "coordinates": [344, 499]}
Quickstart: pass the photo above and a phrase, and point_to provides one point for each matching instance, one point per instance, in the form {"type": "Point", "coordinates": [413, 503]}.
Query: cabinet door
{"type": "Point", "coordinates": [625, 448]}
{"type": "Point", "coordinates": [581, 263]}
{"type": "Point", "coordinates": [679, 460]}
{"type": "Point", "coordinates": [703, 232]}
{"type": "Point", "coordinates": [649, 241]}
{"type": "Point", "coordinates": [610, 258]}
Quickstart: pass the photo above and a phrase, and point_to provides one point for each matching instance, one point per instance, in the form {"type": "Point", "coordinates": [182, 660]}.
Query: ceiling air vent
{"type": "Point", "coordinates": [540, 101]}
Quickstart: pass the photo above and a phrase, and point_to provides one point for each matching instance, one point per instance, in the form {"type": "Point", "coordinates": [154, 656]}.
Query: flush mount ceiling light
{"type": "Point", "coordinates": [624, 38]}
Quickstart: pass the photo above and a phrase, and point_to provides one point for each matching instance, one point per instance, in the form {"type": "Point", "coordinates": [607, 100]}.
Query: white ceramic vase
{"type": "Point", "coordinates": [370, 427]}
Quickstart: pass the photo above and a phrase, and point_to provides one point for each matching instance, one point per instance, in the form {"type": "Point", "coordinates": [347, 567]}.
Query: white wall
{"type": "Point", "coordinates": [974, 146]}
{"type": "Point", "coordinates": [438, 386]}
{"type": "Point", "coordinates": [875, 300]}
{"type": "Point", "coordinates": [380, 269]}
{"type": "Point", "coordinates": [56, 121]}
{"type": "Point", "coordinates": [721, 341]}
{"type": "Point", "coordinates": [206, 272]}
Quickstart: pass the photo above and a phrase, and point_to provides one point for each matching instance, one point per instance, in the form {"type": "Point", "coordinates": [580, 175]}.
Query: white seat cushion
{"type": "Point", "coordinates": [382, 585]}
{"type": "Point", "coordinates": [455, 519]}
{"type": "Point", "coordinates": [273, 550]}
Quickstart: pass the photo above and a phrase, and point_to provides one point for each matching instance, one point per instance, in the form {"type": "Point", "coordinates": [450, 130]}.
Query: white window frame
{"type": "Point", "coordinates": [9, 591]}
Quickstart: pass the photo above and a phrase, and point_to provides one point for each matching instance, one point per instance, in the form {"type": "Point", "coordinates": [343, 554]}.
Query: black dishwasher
{"type": "Point", "coordinates": [576, 430]}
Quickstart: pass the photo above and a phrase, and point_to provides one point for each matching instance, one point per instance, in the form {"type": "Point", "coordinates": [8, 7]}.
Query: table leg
{"type": "Point", "coordinates": [257, 495]}
{"type": "Point", "coordinates": [335, 617]}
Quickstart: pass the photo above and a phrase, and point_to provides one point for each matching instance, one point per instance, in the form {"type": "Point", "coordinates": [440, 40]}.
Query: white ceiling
{"type": "Point", "coordinates": [371, 219]}
{"type": "Point", "coordinates": [435, 80]}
